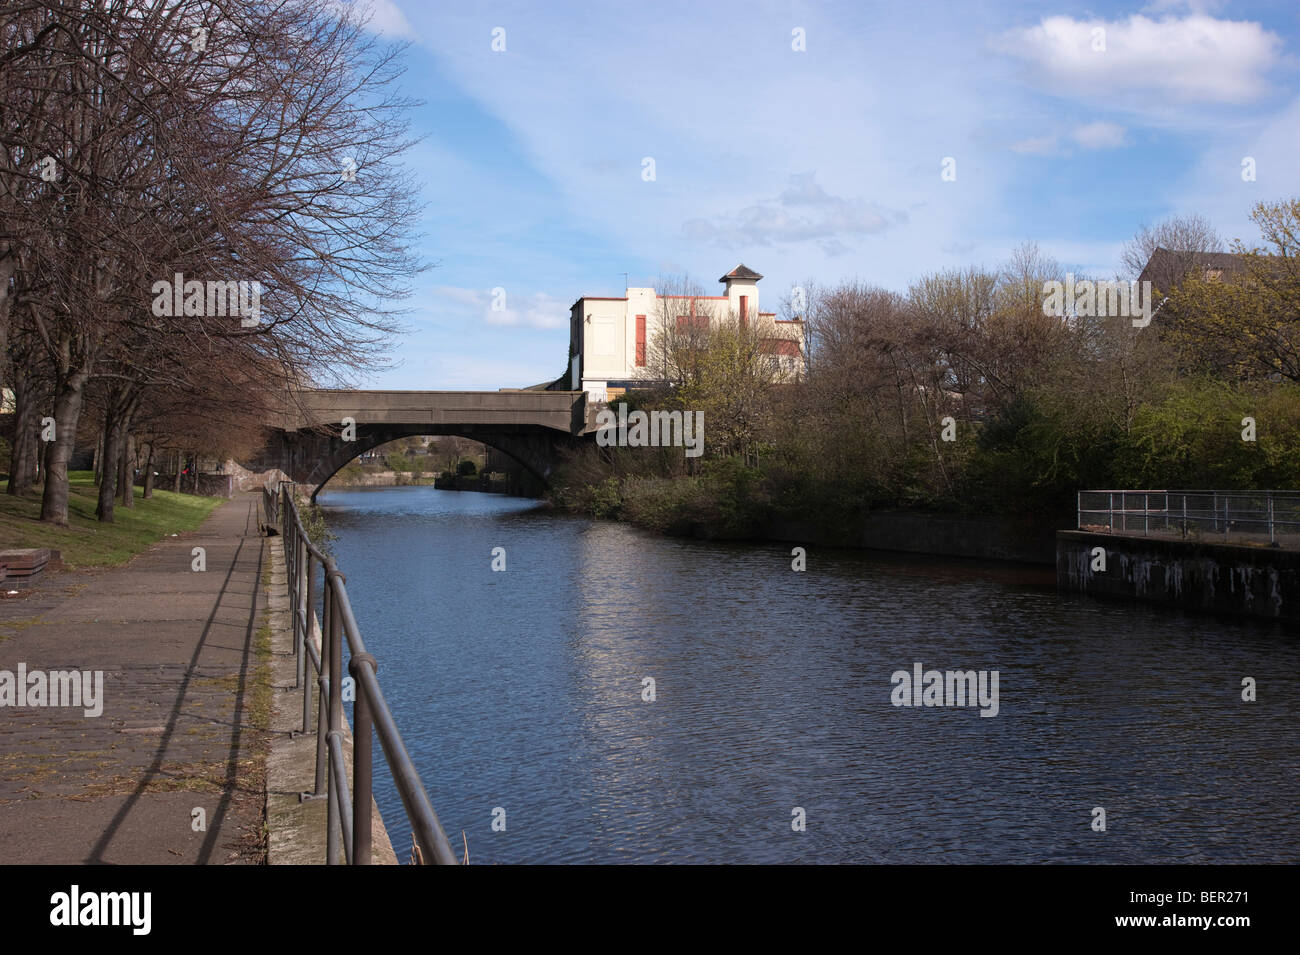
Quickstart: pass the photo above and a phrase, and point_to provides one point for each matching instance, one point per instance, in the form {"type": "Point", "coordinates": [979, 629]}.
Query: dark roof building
{"type": "Point", "coordinates": [1166, 268]}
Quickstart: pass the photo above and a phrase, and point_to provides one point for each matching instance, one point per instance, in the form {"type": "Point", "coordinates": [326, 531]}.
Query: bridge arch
{"type": "Point", "coordinates": [307, 438]}
{"type": "Point", "coordinates": [535, 451]}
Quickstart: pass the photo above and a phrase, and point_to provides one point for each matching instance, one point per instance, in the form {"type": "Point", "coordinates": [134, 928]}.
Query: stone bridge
{"type": "Point", "coordinates": [319, 431]}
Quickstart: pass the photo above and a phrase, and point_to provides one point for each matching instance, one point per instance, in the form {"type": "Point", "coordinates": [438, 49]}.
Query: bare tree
{"type": "Point", "coordinates": [1182, 239]}
{"type": "Point", "coordinates": [679, 332]}
{"type": "Point", "coordinates": [233, 140]}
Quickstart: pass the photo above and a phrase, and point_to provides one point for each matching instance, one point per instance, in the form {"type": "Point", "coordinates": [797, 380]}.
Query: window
{"type": "Point", "coordinates": [640, 341]}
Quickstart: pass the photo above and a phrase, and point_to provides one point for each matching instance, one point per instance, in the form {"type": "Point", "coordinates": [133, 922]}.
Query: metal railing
{"type": "Point", "coordinates": [1271, 517]}
{"type": "Point", "coordinates": [348, 813]}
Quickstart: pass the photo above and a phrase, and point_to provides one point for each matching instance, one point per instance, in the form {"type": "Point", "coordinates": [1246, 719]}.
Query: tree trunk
{"type": "Point", "coordinates": [176, 479]}
{"type": "Point", "coordinates": [8, 262]}
{"type": "Point", "coordinates": [99, 458]}
{"type": "Point", "coordinates": [195, 471]}
{"type": "Point", "coordinates": [128, 469]}
{"type": "Point", "coordinates": [68, 397]}
{"type": "Point", "coordinates": [22, 467]}
{"type": "Point", "coordinates": [111, 470]}
{"type": "Point", "coordinates": [148, 473]}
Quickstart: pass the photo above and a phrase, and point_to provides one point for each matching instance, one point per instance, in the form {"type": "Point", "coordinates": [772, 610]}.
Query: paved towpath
{"type": "Point", "coordinates": [184, 692]}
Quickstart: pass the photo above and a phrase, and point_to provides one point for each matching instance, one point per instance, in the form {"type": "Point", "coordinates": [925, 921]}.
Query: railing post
{"type": "Point", "coordinates": [1184, 514]}
{"type": "Point", "coordinates": [294, 545]}
{"type": "Point", "coordinates": [1110, 509]}
{"type": "Point", "coordinates": [300, 557]}
{"type": "Point", "coordinates": [306, 635]}
{"type": "Point", "coordinates": [1146, 514]}
{"type": "Point", "coordinates": [362, 761]}
{"type": "Point", "coordinates": [303, 591]}
{"type": "Point", "coordinates": [335, 711]}
{"type": "Point", "coordinates": [322, 714]}
{"type": "Point", "coordinates": [1271, 539]}
{"type": "Point", "coordinates": [1078, 523]}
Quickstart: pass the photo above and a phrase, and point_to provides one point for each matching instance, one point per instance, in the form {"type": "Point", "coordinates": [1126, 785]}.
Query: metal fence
{"type": "Point", "coordinates": [1247, 517]}
{"type": "Point", "coordinates": [348, 814]}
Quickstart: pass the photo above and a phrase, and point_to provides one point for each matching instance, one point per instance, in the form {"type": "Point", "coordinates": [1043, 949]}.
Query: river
{"type": "Point", "coordinates": [521, 697]}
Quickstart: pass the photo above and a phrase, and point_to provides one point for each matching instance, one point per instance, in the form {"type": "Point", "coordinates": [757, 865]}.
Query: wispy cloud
{"type": "Point", "coordinates": [1099, 135]}
{"type": "Point", "coordinates": [803, 212]}
{"type": "Point", "coordinates": [497, 306]}
{"type": "Point", "coordinates": [1037, 146]}
{"type": "Point", "coordinates": [1096, 135]}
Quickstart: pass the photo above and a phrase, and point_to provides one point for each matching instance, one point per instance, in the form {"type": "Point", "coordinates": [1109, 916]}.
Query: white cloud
{"type": "Point", "coordinates": [466, 296]}
{"type": "Point", "coordinates": [1099, 135]}
{"type": "Point", "coordinates": [1195, 58]}
{"type": "Point", "coordinates": [383, 17]}
{"type": "Point", "coordinates": [1036, 146]}
{"type": "Point", "coordinates": [539, 310]}
{"type": "Point", "coordinates": [803, 212]}
{"type": "Point", "coordinates": [1095, 135]}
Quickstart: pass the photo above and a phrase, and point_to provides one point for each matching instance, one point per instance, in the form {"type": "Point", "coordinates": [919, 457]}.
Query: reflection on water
{"type": "Point", "coordinates": [523, 690]}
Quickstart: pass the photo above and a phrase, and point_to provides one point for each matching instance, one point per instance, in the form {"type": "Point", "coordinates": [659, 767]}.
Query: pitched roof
{"type": "Point", "coordinates": [1166, 262]}
{"type": "Point", "coordinates": [740, 272]}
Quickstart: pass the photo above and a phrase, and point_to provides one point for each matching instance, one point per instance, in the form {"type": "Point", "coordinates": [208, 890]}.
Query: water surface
{"type": "Point", "coordinates": [523, 690]}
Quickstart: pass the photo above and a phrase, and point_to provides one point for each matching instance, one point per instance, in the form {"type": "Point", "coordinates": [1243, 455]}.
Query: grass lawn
{"type": "Point", "coordinates": [87, 543]}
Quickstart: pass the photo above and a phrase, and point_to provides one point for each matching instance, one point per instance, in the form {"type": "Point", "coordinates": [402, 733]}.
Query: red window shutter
{"type": "Point", "coordinates": [640, 340]}
{"type": "Point", "coordinates": [744, 310]}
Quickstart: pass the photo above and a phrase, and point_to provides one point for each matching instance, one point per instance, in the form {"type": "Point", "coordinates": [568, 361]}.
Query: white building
{"type": "Point", "coordinates": [610, 338]}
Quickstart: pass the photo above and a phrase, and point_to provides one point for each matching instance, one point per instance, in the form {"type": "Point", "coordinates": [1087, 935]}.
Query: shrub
{"type": "Point", "coordinates": [734, 496]}
{"type": "Point", "coordinates": [666, 505]}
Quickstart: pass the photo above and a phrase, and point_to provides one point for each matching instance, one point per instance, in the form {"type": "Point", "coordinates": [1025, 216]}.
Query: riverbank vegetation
{"type": "Point", "coordinates": [961, 396]}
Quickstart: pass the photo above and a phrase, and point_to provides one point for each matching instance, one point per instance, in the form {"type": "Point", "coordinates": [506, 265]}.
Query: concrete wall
{"type": "Point", "coordinates": [1032, 541]}
{"type": "Point", "coordinates": [604, 337]}
{"type": "Point", "coordinates": [367, 479]}
{"type": "Point", "coordinates": [1256, 581]}
{"type": "Point", "coordinates": [246, 480]}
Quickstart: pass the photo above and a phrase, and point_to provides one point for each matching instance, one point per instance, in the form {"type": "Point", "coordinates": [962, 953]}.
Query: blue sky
{"type": "Point", "coordinates": [820, 164]}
